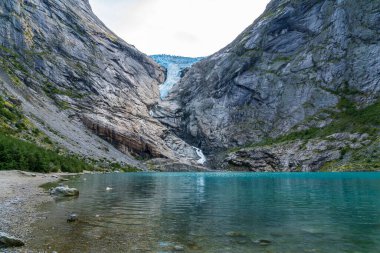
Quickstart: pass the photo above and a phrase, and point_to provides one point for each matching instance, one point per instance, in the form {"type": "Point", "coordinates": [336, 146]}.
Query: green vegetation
{"type": "Point", "coordinates": [364, 159]}
{"type": "Point", "coordinates": [14, 123]}
{"type": "Point", "coordinates": [352, 167]}
{"type": "Point", "coordinates": [282, 59]}
{"type": "Point", "coordinates": [124, 168]}
{"type": "Point", "coordinates": [52, 90]}
{"type": "Point", "coordinates": [11, 118]}
{"type": "Point", "coordinates": [25, 147]}
{"type": "Point", "coordinates": [11, 64]}
{"type": "Point", "coordinates": [349, 119]}
{"type": "Point", "coordinates": [16, 154]}
{"type": "Point", "coordinates": [15, 67]}
{"type": "Point", "coordinates": [8, 112]}
{"type": "Point", "coordinates": [63, 105]}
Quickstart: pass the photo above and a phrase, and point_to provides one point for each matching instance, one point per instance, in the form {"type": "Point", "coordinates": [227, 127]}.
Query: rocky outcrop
{"type": "Point", "coordinates": [167, 165]}
{"type": "Point", "coordinates": [306, 156]}
{"type": "Point", "coordinates": [72, 74]}
{"type": "Point", "coordinates": [297, 61]}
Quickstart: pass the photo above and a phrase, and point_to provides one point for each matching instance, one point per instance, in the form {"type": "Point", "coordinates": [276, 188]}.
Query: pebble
{"type": "Point", "coordinates": [178, 248]}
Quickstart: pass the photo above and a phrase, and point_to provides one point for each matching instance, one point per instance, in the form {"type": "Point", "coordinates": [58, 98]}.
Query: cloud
{"type": "Point", "coordinates": [180, 27]}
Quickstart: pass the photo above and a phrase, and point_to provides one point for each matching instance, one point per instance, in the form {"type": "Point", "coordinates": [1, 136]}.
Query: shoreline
{"type": "Point", "coordinates": [20, 196]}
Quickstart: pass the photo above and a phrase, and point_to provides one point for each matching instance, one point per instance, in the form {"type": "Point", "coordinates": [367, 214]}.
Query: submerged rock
{"type": "Point", "coordinates": [178, 248]}
{"type": "Point", "coordinates": [263, 242]}
{"type": "Point", "coordinates": [64, 191]}
{"type": "Point", "coordinates": [10, 241]}
{"type": "Point", "coordinates": [235, 234]}
{"type": "Point", "coordinates": [73, 217]}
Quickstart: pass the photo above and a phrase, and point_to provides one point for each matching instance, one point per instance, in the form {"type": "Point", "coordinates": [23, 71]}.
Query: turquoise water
{"type": "Point", "coordinates": [221, 212]}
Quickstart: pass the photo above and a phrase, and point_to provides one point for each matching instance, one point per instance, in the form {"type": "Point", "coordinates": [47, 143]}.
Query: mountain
{"type": "Point", "coordinates": [85, 88]}
{"type": "Point", "coordinates": [298, 90]}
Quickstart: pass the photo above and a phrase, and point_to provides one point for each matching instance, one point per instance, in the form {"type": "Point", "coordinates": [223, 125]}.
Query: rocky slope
{"type": "Point", "coordinates": [303, 65]}
{"type": "Point", "coordinates": [299, 155]}
{"type": "Point", "coordinates": [76, 80]}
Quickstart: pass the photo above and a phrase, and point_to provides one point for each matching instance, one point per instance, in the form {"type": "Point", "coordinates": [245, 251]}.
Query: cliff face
{"type": "Point", "coordinates": [299, 66]}
{"type": "Point", "coordinates": [297, 90]}
{"type": "Point", "coordinates": [73, 74]}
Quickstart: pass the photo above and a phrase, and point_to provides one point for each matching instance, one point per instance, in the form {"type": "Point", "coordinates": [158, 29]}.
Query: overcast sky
{"type": "Point", "coordinates": [178, 27]}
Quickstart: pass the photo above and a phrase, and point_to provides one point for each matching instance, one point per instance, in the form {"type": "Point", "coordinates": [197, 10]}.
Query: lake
{"type": "Point", "coordinates": [216, 212]}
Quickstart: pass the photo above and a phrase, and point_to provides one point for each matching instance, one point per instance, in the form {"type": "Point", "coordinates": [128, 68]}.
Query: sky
{"type": "Point", "coordinates": [178, 27]}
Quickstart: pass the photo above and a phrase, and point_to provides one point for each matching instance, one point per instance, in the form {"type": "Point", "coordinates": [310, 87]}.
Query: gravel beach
{"type": "Point", "coordinates": [20, 195]}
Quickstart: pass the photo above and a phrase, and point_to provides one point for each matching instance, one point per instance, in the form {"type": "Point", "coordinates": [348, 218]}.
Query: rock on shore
{"type": "Point", "coordinates": [64, 191]}
{"type": "Point", "coordinates": [20, 195]}
{"type": "Point", "coordinates": [7, 240]}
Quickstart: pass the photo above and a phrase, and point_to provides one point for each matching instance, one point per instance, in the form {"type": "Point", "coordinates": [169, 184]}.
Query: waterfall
{"type": "Point", "coordinates": [202, 157]}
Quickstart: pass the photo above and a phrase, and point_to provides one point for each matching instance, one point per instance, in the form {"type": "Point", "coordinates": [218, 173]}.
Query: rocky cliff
{"type": "Point", "coordinates": [303, 71]}
{"type": "Point", "coordinates": [77, 80]}
{"type": "Point", "coordinates": [297, 90]}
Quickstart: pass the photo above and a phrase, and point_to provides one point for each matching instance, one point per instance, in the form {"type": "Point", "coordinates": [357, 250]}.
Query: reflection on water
{"type": "Point", "coordinates": [197, 212]}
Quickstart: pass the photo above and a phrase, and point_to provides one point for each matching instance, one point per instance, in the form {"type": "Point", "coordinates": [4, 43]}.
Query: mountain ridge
{"type": "Point", "coordinates": [77, 81]}
{"type": "Point", "coordinates": [299, 66]}
{"type": "Point", "coordinates": [297, 90]}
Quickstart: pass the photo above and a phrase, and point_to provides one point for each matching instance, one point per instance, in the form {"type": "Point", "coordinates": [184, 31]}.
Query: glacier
{"type": "Point", "coordinates": [174, 66]}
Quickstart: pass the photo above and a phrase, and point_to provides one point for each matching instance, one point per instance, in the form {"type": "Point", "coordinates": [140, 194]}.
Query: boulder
{"type": "Point", "coordinates": [64, 191]}
{"type": "Point", "coordinates": [10, 241]}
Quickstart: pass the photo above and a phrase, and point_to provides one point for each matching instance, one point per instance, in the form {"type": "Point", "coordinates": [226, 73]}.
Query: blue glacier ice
{"type": "Point", "coordinates": [174, 66]}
